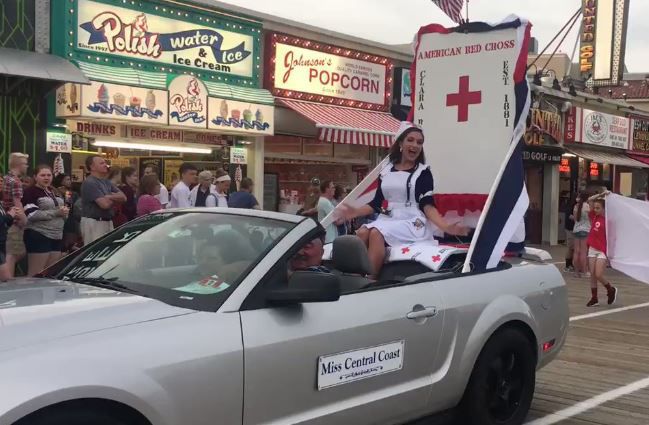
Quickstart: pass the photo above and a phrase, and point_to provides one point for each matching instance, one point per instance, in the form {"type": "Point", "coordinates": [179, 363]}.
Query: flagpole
{"type": "Point", "coordinates": [467, 11]}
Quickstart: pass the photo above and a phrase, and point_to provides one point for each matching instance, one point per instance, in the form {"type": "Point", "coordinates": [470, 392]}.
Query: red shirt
{"type": "Point", "coordinates": [597, 235]}
{"type": "Point", "coordinates": [147, 204]}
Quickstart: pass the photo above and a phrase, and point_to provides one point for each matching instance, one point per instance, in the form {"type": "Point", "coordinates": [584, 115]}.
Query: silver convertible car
{"type": "Point", "coordinates": [196, 317]}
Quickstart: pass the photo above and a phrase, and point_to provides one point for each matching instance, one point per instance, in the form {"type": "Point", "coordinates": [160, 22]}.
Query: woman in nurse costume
{"type": "Point", "coordinates": [404, 200]}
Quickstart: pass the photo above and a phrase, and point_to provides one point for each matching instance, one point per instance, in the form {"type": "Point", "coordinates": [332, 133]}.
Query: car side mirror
{"type": "Point", "coordinates": [307, 287]}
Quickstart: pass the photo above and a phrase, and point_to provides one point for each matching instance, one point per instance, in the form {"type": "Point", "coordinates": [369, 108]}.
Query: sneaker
{"type": "Point", "coordinates": [592, 303]}
{"type": "Point", "coordinates": [612, 295]}
{"type": "Point", "coordinates": [586, 275]}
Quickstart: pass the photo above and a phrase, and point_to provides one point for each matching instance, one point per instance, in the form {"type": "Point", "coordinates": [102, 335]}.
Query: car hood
{"type": "Point", "coordinates": [39, 310]}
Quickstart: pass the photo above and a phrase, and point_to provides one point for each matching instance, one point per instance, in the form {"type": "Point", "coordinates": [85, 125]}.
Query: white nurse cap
{"type": "Point", "coordinates": [405, 126]}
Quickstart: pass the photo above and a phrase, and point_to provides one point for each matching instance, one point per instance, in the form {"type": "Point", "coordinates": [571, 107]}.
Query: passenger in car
{"type": "Point", "coordinates": [404, 201]}
{"type": "Point", "coordinates": [309, 258]}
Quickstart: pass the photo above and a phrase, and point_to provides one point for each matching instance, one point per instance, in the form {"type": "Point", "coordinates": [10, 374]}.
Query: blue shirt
{"type": "Point", "coordinates": [242, 199]}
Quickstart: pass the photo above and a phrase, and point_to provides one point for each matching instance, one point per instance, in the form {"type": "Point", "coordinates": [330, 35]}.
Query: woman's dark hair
{"type": "Point", "coordinates": [113, 172]}
{"type": "Point", "coordinates": [58, 180]}
{"type": "Point", "coordinates": [148, 184]}
{"type": "Point", "coordinates": [324, 185]}
{"type": "Point", "coordinates": [40, 167]}
{"type": "Point", "coordinates": [127, 172]}
{"type": "Point", "coordinates": [186, 166]}
{"type": "Point", "coordinates": [583, 197]}
{"type": "Point", "coordinates": [395, 150]}
{"type": "Point", "coordinates": [339, 192]}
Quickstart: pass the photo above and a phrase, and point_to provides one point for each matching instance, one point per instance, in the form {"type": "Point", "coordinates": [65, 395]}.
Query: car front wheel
{"type": "Point", "coordinates": [502, 383]}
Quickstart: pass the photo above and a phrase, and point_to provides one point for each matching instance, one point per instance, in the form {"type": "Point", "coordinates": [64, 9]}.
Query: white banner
{"type": "Point", "coordinates": [132, 34]}
{"type": "Point", "coordinates": [320, 73]}
{"type": "Point", "coordinates": [627, 235]}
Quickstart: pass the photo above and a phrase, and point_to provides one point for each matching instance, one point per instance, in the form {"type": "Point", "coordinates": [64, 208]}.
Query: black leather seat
{"type": "Point", "coordinates": [349, 257]}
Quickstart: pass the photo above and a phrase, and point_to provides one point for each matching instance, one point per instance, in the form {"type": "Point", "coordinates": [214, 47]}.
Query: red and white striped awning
{"type": "Point", "coordinates": [339, 124]}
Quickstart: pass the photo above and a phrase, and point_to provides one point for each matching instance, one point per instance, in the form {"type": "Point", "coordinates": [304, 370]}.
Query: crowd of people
{"type": "Point", "coordinates": [43, 216]}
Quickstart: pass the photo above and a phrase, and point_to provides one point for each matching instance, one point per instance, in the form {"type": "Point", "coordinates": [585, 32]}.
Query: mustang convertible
{"type": "Point", "coordinates": [198, 317]}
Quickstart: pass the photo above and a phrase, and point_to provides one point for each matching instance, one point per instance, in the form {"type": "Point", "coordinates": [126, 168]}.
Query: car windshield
{"type": "Point", "coordinates": [192, 260]}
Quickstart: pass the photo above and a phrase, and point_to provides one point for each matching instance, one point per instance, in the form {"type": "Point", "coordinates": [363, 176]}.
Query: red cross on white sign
{"type": "Point", "coordinates": [463, 99]}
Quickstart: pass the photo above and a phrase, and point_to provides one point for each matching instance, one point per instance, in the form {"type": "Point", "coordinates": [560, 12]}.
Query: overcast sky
{"type": "Point", "coordinates": [396, 21]}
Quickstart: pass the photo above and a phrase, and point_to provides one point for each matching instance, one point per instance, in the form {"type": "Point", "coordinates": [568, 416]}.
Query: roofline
{"type": "Point", "coordinates": [593, 102]}
{"type": "Point", "coordinates": [323, 35]}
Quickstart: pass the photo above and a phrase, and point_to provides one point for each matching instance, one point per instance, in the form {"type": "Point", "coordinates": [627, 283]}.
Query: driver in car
{"type": "Point", "coordinates": [309, 257]}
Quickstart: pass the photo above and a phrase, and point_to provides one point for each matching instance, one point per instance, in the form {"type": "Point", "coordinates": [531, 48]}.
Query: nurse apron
{"type": "Point", "coordinates": [405, 223]}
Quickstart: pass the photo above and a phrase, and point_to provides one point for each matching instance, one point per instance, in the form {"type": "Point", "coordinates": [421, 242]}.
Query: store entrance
{"type": "Point", "coordinates": [534, 216]}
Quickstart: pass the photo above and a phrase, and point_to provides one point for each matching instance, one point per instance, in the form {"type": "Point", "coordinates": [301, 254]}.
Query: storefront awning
{"type": "Point", "coordinates": [602, 157]}
{"type": "Point", "coordinates": [339, 124]}
{"type": "Point", "coordinates": [159, 80]}
{"type": "Point", "coordinates": [125, 75]}
{"type": "Point", "coordinates": [643, 159]}
{"type": "Point", "coordinates": [39, 66]}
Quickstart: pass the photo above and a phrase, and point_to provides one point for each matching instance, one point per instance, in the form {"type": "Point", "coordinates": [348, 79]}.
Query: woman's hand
{"type": "Point", "coordinates": [64, 212]}
{"type": "Point", "coordinates": [344, 212]}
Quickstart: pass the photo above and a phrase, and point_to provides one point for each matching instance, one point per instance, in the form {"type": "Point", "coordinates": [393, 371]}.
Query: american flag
{"type": "Point", "coordinates": [453, 8]}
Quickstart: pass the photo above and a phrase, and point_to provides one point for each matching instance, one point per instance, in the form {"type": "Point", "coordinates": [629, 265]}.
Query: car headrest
{"type": "Point", "coordinates": [349, 255]}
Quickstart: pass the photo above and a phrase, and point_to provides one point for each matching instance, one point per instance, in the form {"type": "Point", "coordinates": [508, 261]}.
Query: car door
{"type": "Point", "coordinates": [357, 360]}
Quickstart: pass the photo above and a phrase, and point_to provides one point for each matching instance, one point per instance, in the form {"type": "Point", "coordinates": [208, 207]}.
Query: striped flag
{"type": "Point", "coordinates": [453, 8]}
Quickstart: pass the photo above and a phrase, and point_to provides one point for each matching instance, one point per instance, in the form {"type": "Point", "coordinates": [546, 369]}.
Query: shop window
{"type": "Point", "coordinates": [564, 167]}
{"type": "Point", "coordinates": [606, 172]}
{"type": "Point", "coordinates": [313, 147]}
{"type": "Point", "coordinates": [291, 145]}
{"type": "Point", "coordinates": [594, 171]}
{"type": "Point", "coordinates": [352, 151]}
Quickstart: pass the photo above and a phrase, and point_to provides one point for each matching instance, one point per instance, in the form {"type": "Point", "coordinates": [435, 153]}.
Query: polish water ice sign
{"type": "Point", "coordinates": [119, 31]}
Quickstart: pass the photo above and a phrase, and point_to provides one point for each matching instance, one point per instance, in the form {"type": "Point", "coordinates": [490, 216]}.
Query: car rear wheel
{"type": "Point", "coordinates": [502, 383]}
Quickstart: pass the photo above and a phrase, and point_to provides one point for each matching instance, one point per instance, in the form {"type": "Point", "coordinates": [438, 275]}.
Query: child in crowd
{"type": "Point", "coordinates": [6, 220]}
{"type": "Point", "coordinates": [597, 258]}
{"type": "Point", "coordinates": [581, 230]}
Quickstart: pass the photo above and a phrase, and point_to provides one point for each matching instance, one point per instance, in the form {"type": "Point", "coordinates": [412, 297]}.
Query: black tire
{"type": "Point", "coordinates": [71, 417]}
{"type": "Point", "coordinates": [501, 386]}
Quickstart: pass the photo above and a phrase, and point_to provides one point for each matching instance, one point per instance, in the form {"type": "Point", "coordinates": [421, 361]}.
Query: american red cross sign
{"type": "Point", "coordinates": [463, 99]}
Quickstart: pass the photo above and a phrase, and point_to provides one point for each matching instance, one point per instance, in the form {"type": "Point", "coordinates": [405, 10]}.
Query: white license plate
{"type": "Point", "coordinates": [350, 366]}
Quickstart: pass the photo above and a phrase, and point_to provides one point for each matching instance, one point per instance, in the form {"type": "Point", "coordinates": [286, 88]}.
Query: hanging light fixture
{"type": "Point", "coordinates": [152, 147]}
